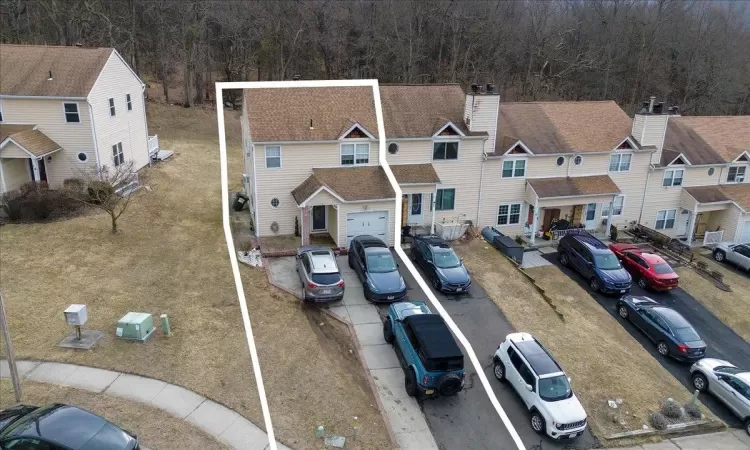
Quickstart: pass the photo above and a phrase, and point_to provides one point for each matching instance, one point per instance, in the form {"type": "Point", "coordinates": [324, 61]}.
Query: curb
{"type": "Point", "coordinates": [677, 428]}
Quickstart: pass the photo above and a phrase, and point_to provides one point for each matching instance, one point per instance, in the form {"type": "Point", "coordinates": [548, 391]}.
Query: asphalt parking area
{"type": "Point", "coordinates": [722, 341]}
{"type": "Point", "coordinates": [468, 420]}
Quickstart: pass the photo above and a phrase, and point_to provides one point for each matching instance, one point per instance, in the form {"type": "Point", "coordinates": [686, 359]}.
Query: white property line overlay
{"type": "Point", "coordinates": [397, 238]}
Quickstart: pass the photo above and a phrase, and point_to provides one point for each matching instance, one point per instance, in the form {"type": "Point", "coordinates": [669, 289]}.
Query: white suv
{"type": "Point", "coordinates": [542, 385]}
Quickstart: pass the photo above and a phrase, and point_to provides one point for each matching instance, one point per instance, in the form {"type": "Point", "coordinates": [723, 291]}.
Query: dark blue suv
{"type": "Point", "coordinates": [594, 260]}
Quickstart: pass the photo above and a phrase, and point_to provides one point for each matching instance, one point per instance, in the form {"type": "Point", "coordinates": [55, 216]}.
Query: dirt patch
{"type": "Point", "coordinates": [155, 428]}
{"type": "Point", "coordinates": [601, 357]}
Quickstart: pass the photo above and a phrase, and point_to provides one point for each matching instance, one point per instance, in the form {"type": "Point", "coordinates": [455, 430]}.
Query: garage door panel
{"type": "Point", "coordinates": [745, 237]}
{"type": "Point", "coordinates": [374, 223]}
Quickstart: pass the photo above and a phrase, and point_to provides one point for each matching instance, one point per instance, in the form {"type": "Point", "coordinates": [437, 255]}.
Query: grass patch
{"type": "Point", "coordinates": [154, 427]}
{"type": "Point", "coordinates": [602, 358]}
{"type": "Point", "coordinates": [170, 257]}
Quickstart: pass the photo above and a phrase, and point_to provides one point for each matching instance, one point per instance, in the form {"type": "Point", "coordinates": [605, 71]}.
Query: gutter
{"type": "Point", "coordinates": [481, 178]}
{"type": "Point", "coordinates": [41, 97]}
{"type": "Point", "coordinates": [651, 168]}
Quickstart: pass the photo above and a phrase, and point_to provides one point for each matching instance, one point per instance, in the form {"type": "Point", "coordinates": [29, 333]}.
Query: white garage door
{"type": "Point", "coordinates": [374, 223]}
{"type": "Point", "coordinates": [745, 237]}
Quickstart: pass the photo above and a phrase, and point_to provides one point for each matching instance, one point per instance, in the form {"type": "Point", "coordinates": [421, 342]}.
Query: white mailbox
{"type": "Point", "coordinates": [76, 315]}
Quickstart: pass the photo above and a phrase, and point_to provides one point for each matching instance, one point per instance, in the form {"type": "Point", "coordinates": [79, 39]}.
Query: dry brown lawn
{"type": "Point", "coordinates": [733, 308]}
{"type": "Point", "coordinates": [155, 428]}
{"type": "Point", "coordinates": [602, 358]}
{"type": "Point", "coordinates": [170, 257]}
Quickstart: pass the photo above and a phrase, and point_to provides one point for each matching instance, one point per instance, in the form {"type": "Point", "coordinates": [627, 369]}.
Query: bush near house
{"type": "Point", "coordinates": [35, 202]}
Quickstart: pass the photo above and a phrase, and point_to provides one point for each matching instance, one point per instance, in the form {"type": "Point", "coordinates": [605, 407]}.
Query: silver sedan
{"type": "Point", "coordinates": [727, 382]}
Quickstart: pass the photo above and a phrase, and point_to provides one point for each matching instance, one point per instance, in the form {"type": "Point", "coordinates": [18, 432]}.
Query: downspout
{"type": "Point", "coordinates": [645, 190]}
{"type": "Point", "coordinates": [96, 141]}
{"type": "Point", "coordinates": [145, 122]}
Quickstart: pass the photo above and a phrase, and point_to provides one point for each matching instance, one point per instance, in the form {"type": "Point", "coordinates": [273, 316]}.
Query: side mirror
{"type": "Point", "coordinates": [462, 260]}
{"type": "Point", "coordinates": [569, 380]}
{"type": "Point", "coordinates": [529, 388]}
{"type": "Point", "coordinates": [589, 263]}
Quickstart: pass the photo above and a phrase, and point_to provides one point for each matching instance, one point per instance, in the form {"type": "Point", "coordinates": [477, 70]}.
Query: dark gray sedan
{"type": "Point", "coordinates": [673, 335]}
{"type": "Point", "coordinates": [377, 270]}
{"type": "Point", "coordinates": [63, 427]}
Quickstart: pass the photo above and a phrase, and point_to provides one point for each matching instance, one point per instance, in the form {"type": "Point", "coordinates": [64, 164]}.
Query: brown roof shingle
{"type": "Point", "coordinates": [573, 186]}
{"type": "Point", "coordinates": [562, 127]}
{"type": "Point", "coordinates": [285, 114]}
{"type": "Point", "coordinates": [9, 130]}
{"type": "Point", "coordinates": [350, 183]}
{"type": "Point", "coordinates": [24, 70]}
{"type": "Point", "coordinates": [706, 139]}
{"type": "Point", "coordinates": [738, 193]}
{"type": "Point", "coordinates": [415, 173]}
{"type": "Point", "coordinates": [30, 139]}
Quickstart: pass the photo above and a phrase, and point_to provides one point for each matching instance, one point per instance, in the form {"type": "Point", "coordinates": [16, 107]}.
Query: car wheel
{"type": "Point", "coordinates": [700, 382]}
{"type": "Point", "coordinates": [642, 283]}
{"type": "Point", "coordinates": [388, 332]}
{"type": "Point", "coordinates": [564, 260]}
{"type": "Point", "coordinates": [594, 283]}
{"type": "Point", "coordinates": [449, 384]}
{"type": "Point", "coordinates": [662, 348]}
{"type": "Point", "coordinates": [537, 422]}
{"type": "Point", "coordinates": [622, 311]}
{"type": "Point", "coordinates": [719, 255]}
{"type": "Point", "coordinates": [747, 427]}
{"type": "Point", "coordinates": [436, 283]}
{"type": "Point", "coordinates": [410, 383]}
{"type": "Point", "coordinates": [349, 260]}
{"type": "Point", "coordinates": [499, 371]}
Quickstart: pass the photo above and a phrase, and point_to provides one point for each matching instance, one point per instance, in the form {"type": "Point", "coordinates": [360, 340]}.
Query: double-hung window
{"type": "Point", "coordinates": [354, 154]}
{"type": "Point", "coordinates": [673, 177]}
{"type": "Point", "coordinates": [445, 199]}
{"type": "Point", "coordinates": [736, 174]}
{"type": "Point", "coordinates": [117, 154]}
{"type": "Point", "coordinates": [111, 107]}
{"type": "Point", "coordinates": [129, 103]}
{"type": "Point", "coordinates": [445, 150]}
{"type": "Point", "coordinates": [616, 206]}
{"type": "Point", "coordinates": [514, 168]}
{"type": "Point", "coordinates": [665, 219]}
{"type": "Point", "coordinates": [273, 157]}
{"type": "Point", "coordinates": [71, 112]}
{"type": "Point", "coordinates": [509, 214]}
{"type": "Point", "coordinates": [620, 162]}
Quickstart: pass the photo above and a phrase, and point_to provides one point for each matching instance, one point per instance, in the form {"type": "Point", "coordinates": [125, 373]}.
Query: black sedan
{"type": "Point", "coordinates": [377, 270]}
{"type": "Point", "coordinates": [673, 335]}
{"type": "Point", "coordinates": [60, 426]}
{"type": "Point", "coordinates": [443, 267]}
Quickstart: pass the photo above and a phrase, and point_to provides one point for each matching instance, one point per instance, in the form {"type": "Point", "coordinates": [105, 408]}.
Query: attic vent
{"type": "Point", "coordinates": [356, 133]}
{"type": "Point", "coordinates": [678, 161]}
{"type": "Point", "coordinates": [517, 150]}
{"type": "Point", "coordinates": [742, 158]}
{"type": "Point", "coordinates": [625, 146]}
{"type": "Point", "coordinates": [449, 131]}
{"type": "Point", "coordinates": [50, 76]}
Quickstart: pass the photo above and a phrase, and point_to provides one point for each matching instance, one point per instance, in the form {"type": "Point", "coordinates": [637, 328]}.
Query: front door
{"type": "Point", "coordinates": [415, 209]}
{"type": "Point", "coordinates": [589, 218]}
{"type": "Point", "coordinates": [682, 222]}
{"type": "Point", "coordinates": [319, 218]}
{"type": "Point", "coordinates": [42, 169]}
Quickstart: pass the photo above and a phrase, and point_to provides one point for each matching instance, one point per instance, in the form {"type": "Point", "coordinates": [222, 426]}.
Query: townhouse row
{"type": "Point", "coordinates": [312, 164]}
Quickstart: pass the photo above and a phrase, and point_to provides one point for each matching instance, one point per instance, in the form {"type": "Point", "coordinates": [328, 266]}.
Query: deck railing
{"type": "Point", "coordinates": [713, 237]}
{"type": "Point", "coordinates": [557, 234]}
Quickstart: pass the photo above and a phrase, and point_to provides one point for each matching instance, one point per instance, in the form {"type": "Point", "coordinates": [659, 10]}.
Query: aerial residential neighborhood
{"type": "Point", "coordinates": [374, 225]}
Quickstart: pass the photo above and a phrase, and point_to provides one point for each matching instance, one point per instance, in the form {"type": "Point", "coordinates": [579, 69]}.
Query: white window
{"type": "Point", "coordinates": [665, 219]}
{"type": "Point", "coordinates": [354, 154]}
{"type": "Point", "coordinates": [620, 162]}
{"type": "Point", "coordinates": [127, 100]}
{"type": "Point", "coordinates": [1, 112]}
{"type": "Point", "coordinates": [445, 150]}
{"type": "Point", "coordinates": [509, 214]}
{"type": "Point", "coordinates": [71, 112]}
{"type": "Point", "coordinates": [111, 107]}
{"type": "Point", "coordinates": [560, 161]}
{"type": "Point", "coordinates": [736, 174]}
{"type": "Point", "coordinates": [273, 157]}
{"type": "Point", "coordinates": [513, 168]}
{"type": "Point", "coordinates": [117, 155]}
{"type": "Point", "coordinates": [578, 160]}
{"type": "Point", "coordinates": [616, 206]}
{"type": "Point", "coordinates": [275, 202]}
{"type": "Point", "coordinates": [673, 177]}
{"type": "Point", "coordinates": [445, 199]}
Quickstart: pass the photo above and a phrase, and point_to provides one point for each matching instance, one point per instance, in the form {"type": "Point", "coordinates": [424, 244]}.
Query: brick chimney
{"type": "Point", "coordinates": [650, 125]}
{"type": "Point", "coordinates": [481, 110]}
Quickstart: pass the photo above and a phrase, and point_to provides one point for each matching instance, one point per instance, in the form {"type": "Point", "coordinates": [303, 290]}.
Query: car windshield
{"type": "Point", "coordinates": [663, 268]}
{"type": "Point", "coordinates": [553, 389]}
{"type": "Point", "coordinates": [607, 261]}
{"type": "Point", "coordinates": [326, 278]}
{"type": "Point", "coordinates": [380, 263]}
{"type": "Point", "coordinates": [446, 259]}
{"type": "Point", "coordinates": [728, 369]}
{"type": "Point", "coordinates": [686, 334]}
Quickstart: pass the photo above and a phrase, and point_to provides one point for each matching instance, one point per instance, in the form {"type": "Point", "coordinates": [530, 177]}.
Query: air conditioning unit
{"type": "Point", "coordinates": [135, 326]}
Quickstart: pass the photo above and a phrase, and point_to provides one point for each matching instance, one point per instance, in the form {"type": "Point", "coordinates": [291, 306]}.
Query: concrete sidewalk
{"type": "Point", "coordinates": [218, 421]}
{"type": "Point", "coordinates": [725, 440]}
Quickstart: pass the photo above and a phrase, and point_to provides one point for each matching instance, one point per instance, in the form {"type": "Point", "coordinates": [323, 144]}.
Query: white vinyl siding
{"type": "Point", "coordinates": [509, 214]}
{"type": "Point", "coordinates": [355, 154]}
{"type": "Point", "coordinates": [665, 219]}
{"type": "Point", "coordinates": [514, 168]}
{"type": "Point", "coordinates": [444, 150]}
{"type": "Point", "coordinates": [273, 157]}
{"type": "Point", "coordinates": [620, 162]}
{"type": "Point", "coordinates": [72, 115]}
{"type": "Point", "coordinates": [673, 177]}
{"type": "Point", "coordinates": [736, 174]}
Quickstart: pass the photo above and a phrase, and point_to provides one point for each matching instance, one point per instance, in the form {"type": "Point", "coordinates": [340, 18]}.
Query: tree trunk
{"type": "Point", "coordinates": [114, 222]}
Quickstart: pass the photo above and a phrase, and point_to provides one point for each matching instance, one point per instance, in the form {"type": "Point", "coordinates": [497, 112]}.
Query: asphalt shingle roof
{"type": "Point", "coordinates": [572, 186]}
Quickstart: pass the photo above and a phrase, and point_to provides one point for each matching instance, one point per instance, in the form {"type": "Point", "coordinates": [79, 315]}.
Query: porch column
{"type": "Point", "coordinates": [305, 228]}
{"type": "Point", "coordinates": [534, 222]}
{"type": "Point", "coordinates": [609, 219]}
{"type": "Point", "coordinates": [691, 225]}
{"type": "Point", "coordinates": [432, 208]}
{"type": "Point", "coordinates": [35, 165]}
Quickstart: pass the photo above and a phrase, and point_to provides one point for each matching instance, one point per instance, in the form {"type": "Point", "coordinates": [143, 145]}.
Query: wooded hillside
{"type": "Point", "coordinates": [695, 54]}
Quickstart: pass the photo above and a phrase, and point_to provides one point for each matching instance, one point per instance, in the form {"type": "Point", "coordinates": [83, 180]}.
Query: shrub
{"type": "Point", "coordinates": [12, 203]}
{"type": "Point", "coordinates": [31, 187]}
{"type": "Point", "coordinates": [519, 239]}
{"type": "Point", "coordinates": [671, 409]}
{"type": "Point", "coordinates": [74, 184]}
{"type": "Point", "coordinates": [693, 410]}
{"type": "Point", "coordinates": [658, 421]}
{"type": "Point", "coordinates": [99, 190]}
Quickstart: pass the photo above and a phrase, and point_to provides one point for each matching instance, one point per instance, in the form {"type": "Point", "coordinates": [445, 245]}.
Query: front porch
{"type": "Point", "coordinates": [712, 214]}
{"type": "Point", "coordinates": [25, 154]}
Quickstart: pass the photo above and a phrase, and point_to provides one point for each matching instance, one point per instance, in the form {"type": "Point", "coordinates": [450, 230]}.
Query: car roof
{"type": "Point", "coordinates": [69, 426]}
{"type": "Point", "coordinates": [377, 250]}
{"type": "Point", "coordinates": [323, 261]}
{"type": "Point", "coordinates": [370, 241]}
{"type": "Point", "coordinates": [432, 240]}
{"type": "Point", "coordinates": [589, 241]}
{"type": "Point", "coordinates": [672, 317]}
{"type": "Point", "coordinates": [652, 258]}
{"type": "Point", "coordinates": [433, 335]}
{"type": "Point", "coordinates": [540, 360]}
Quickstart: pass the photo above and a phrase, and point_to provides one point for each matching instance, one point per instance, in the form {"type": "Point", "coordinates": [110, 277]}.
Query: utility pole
{"type": "Point", "coordinates": [11, 360]}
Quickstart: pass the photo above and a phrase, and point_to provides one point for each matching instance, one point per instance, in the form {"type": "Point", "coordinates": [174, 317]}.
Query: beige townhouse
{"type": "Point", "coordinates": [312, 162]}
{"type": "Point", "coordinates": [697, 185]}
{"type": "Point", "coordinates": [65, 110]}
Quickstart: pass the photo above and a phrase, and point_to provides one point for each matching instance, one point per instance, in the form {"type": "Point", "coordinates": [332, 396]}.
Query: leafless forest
{"type": "Point", "coordinates": [695, 54]}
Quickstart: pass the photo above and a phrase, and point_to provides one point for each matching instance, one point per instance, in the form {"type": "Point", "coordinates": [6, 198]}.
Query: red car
{"type": "Point", "coordinates": [647, 269]}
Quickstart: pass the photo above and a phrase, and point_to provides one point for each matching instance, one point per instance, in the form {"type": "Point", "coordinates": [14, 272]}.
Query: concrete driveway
{"type": "Point", "coordinates": [722, 341]}
{"type": "Point", "coordinates": [468, 420]}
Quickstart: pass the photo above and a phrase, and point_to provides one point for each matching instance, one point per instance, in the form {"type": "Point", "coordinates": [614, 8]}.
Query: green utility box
{"type": "Point", "coordinates": [135, 326]}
